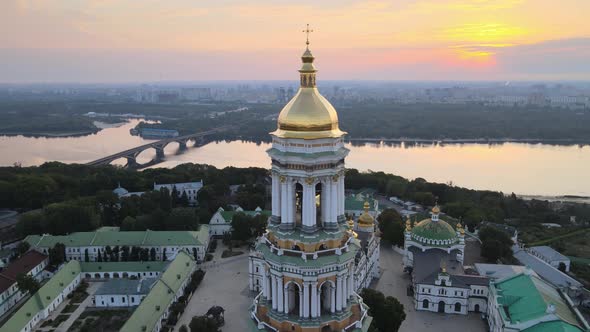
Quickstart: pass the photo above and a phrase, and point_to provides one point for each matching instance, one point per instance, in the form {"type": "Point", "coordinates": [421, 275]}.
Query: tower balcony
{"type": "Point", "coordinates": [353, 317]}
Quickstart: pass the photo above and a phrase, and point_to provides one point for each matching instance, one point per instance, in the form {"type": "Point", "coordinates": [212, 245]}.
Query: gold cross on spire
{"type": "Point", "coordinates": [307, 31]}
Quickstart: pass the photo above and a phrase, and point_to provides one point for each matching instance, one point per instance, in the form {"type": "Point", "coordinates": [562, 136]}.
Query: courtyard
{"type": "Point", "coordinates": [225, 284]}
{"type": "Point", "coordinates": [394, 282]}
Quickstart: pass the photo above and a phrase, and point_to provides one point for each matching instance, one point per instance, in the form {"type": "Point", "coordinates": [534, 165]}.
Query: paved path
{"type": "Point", "coordinates": [225, 284]}
{"type": "Point", "coordinates": [394, 282]}
{"type": "Point", "coordinates": [92, 288]}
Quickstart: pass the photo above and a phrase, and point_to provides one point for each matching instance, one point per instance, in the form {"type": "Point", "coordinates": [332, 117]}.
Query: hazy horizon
{"type": "Point", "coordinates": [109, 41]}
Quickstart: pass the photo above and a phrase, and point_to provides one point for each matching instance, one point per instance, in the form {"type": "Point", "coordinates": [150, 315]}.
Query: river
{"type": "Point", "coordinates": [527, 169]}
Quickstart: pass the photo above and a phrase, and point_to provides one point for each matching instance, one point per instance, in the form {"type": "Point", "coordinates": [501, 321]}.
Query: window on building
{"type": "Point", "coordinates": [457, 306]}
{"type": "Point", "coordinates": [123, 299]}
{"type": "Point", "coordinates": [112, 300]}
{"type": "Point", "coordinates": [425, 304]}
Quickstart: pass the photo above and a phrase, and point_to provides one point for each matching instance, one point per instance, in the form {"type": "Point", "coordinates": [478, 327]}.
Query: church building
{"type": "Point", "coordinates": [304, 267]}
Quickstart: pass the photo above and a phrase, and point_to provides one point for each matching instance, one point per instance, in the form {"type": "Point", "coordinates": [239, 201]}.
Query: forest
{"type": "Point", "coordinates": [56, 193]}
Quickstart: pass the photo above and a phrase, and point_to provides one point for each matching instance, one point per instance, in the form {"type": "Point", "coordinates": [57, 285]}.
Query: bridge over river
{"type": "Point", "coordinates": [131, 154]}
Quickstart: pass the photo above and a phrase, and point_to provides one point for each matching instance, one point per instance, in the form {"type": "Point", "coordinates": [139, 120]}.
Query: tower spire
{"type": "Point", "coordinates": [307, 32]}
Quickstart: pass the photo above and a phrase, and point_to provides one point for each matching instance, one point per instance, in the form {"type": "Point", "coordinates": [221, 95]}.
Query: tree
{"type": "Point", "coordinates": [164, 258]}
{"type": "Point", "coordinates": [99, 256]}
{"type": "Point", "coordinates": [135, 252]}
{"type": "Point", "coordinates": [216, 312]}
{"type": "Point", "coordinates": [23, 247]}
{"type": "Point", "coordinates": [108, 204]}
{"type": "Point", "coordinates": [124, 253]}
{"type": "Point", "coordinates": [258, 225]}
{"type": "Point", "coordinates": [57, 254]}
{"type": "Point", "coordinates": [26, 283]}
{"type": "Point", "coordinates": [152, 254]}
{"type": "Point", "coordinates": [204, 324]}
{"type": "Point", "coordinates": [387, 312]}
{"type": "Point", "coordinates": [240, 225]}
{"type": "Point", "coordinates": [391, 227]}
{"type": "Point", "coordinates": [495, 244]}
{"type": "Point", "coordinates": [182, 218]}
{"type": "Point", "coordinates": [144, 254]}
{"type": "Point", "coordinates": [183, 328]}
{"type": "Point", "coordinates": [86, 256]}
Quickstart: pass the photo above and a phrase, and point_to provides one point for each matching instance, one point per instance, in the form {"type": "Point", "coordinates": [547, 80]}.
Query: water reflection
{"type": "Point", "coordinates": [535, 169]}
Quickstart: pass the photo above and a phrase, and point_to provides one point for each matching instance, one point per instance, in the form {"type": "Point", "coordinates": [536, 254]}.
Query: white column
{"type": "Point", "coordinates": [338, 293]}
{"type": "Point", "coordinates": [341, 195]}
{"type": "Point", "coordinates": [306, 299]}
{"type": "Point", "coordinates": [334, 205]}
{"type": "Point", "coordinates": [264, 289]}
{"type": "Point", "coordinates": [291, 187]}
{"type": "Point", "coordinates": [351, 282]}
{"type": "Point", "coordinates": [300, 303]}
{"type": "Point", "coordinates": [274, 197]}
{"type": "Point", "coordinates": [284, 201]}
{"type": "Point", "coordinates": [274, 291]}
{"type": "Point", "coordinates": [314, 299]}
{"type": "Point", "coordinates": [280, 293]}
{"type": "Point", "coordinates": [344, 291]}
{"type": "Point", "coordinates": [323, 203]}
{"type": "Point", "coordinates": [332, 298]}
{"type": "Point", "coordinates": [313, 213]}
{"type": "Point", "coordinates": [327, 189]}
{"type": "Point", "coordinates": [286, 299]}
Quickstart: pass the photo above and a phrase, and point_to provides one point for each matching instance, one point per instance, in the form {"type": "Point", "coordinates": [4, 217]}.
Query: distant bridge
{"type": "Point", "coordinates": [131, 154]}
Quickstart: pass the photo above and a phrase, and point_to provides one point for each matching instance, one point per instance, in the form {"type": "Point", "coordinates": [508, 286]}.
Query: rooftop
{"type": "Point", "coordinates": [163, 291]}
{"type": "Point", "coordinates": [118, 238]}
{"type": "Point", "coordinates": [544, 270]}
{"type": "Point", "coordinates": [44, 296]}
{"type": "Point", "coordinates": [24, 265]}
{"type": "Point", "coordinates": [549, 253]}
{"type": "Point", "coordinates": [126, 286]}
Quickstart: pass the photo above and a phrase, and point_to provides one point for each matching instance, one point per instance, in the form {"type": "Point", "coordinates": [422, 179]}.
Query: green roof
{"type": "Point", "coordinates": [434, 230]}
{"type": "Point", "coordinates": [148, 313]}
{"type": "Point", "coordinates": [44, 296]}
{"type": "Point", "coordinates": [314, 263]}
{"type": "Point", "coordinates": [554, 326]}
{"type": "Point", "coordinates": [525, 297]}
{"type": "Point", "coordinates": [117, 238]}
{"type": "Point", "coordinates": [297, 234]}
{"type": "Point", "coordinates": [123, 266]}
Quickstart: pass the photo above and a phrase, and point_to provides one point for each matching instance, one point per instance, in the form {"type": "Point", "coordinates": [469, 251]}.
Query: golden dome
{"type": "Point", "coordinates": [366, 219]}
{"type": "Point", "coordinates": [308, 115]}
{"type": "Point", "coordinates": [436, 209]}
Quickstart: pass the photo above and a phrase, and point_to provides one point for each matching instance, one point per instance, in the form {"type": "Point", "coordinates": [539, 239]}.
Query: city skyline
{"type": "Point", "coordinates": [127, 41]}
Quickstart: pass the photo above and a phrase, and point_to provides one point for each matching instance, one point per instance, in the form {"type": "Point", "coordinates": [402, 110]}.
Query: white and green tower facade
{"type": "Point", "coordinates": [303, 267]}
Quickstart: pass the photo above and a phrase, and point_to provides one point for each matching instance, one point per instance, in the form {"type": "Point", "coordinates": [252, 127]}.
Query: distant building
{"type": "Point", "coordinates": [511, 231]}
{"type": "Point", "coordinates": [354, 204]}
{"type": "Point", "coordinates": [549, 273]}
{"type": "Point", "coordinates": [551, 256]}
{"type": "Point", "coordinates": [220, 222]}
{"type": "Point", "coordinates": [190, 189]}
{"type": "Point", "coordinates": [158, 133]}
{"type": "Point", "coordinates": [165, 243]}
{"type": "Point", "coordinates": [123, 292]}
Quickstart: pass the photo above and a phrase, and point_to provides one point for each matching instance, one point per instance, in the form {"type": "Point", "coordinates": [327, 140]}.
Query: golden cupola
{"type": "Point", "coordinates": [365, 219]}
{"type": "Point", "coordinates": [308, 115]}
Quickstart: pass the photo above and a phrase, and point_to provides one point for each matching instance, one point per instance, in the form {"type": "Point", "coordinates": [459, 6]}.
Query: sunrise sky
{"type": "Point", "coordinates": [191, 40]}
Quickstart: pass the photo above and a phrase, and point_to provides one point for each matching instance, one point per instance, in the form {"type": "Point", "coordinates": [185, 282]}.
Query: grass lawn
{"type": "Point", "coordinates": [70, 308]}
{"type": "Point", "coordinates": [101, 320]}
{"type": "Point", "coordinates": [227, 253]}
{"type": "Point", "coordinates": [59, 319]}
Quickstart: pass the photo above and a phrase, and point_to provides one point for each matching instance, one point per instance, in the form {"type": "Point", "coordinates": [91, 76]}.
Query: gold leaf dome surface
{"type": "Point", "coordinates": [308, 115]}
{"type": "Point", "coordinates": [365, 218]}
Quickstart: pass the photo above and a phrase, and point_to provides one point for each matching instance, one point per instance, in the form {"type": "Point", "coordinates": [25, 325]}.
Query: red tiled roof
{"type": "Point", "coordinates": [24, 264]}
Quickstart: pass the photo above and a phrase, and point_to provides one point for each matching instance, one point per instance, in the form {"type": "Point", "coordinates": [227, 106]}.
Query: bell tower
{"type": "Point", "coordinates": [306, 259]}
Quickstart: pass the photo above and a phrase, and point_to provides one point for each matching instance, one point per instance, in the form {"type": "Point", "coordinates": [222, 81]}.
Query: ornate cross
{"type": "Point", "coordinates": [307, 31]}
